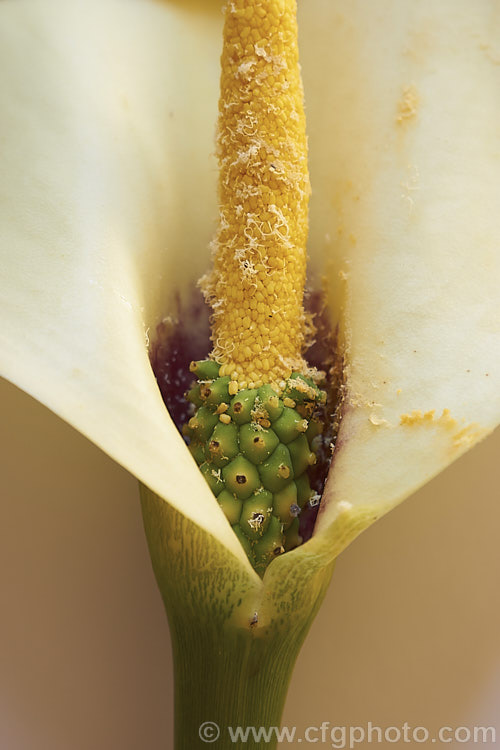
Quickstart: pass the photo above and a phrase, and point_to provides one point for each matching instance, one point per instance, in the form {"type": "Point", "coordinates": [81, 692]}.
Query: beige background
{"type": "Point", "coordinates": [409, 630]}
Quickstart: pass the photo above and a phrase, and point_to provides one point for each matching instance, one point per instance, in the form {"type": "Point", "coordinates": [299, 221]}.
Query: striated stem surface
{"type": "Point", "coordinates": [234, 642]}
{"type": "Point", "coordinates": [228, 679]}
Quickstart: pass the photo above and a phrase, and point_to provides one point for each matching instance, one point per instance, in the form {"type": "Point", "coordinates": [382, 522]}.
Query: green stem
{"type": "Point", "coordinates": [235, 637]}
{"type": "Point", "coordinates": [230, 679]}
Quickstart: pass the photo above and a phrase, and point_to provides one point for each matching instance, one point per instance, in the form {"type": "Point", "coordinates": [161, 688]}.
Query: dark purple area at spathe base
{"type": "Point", "coordinates": [180, 338]}
{"type": "Point", "coordinates": [184, 336]}
{"type": "Point", "coordinates": [323, 355]}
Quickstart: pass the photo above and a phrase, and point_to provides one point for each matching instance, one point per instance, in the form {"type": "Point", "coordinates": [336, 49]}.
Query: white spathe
{"type": "Point", "coordinates": [412, 172]}
{"type": "Point", "coordinates": [107, 197]}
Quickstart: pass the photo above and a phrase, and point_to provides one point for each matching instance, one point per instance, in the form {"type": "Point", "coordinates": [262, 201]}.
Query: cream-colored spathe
{"type": "Point", "coordinates": [107, 195]}
{"type": "Point", "coordinates": [97, 195]}
{"type": "Point", "coordinates": [415, 201]}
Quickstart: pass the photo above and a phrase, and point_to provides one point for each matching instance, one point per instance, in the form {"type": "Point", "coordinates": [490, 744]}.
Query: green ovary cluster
{"type": "Point", "coordinates": [254, 447]}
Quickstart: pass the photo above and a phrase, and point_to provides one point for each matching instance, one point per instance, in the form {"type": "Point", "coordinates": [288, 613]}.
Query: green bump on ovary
{"type": "Point", "coordinates": [271, 402]}
{"type": "Point", "coordinates": [304, 491]}
{"type": "Point", "coordinates": [285, 503]}
{"type": "Point", "coordinates": [257, 444]}
{"type": "Point", "coordinates": [270, 546]}
{"type": "Point", "coordinates": [314, 429]}
{"type": "Point", "coordinates": [201, 426]}
{"type": "Point", "coordinates": [241, 406]}
{"type": "Point", "coordinates": [205, 369]}
{"type": "Point", "coordinates": [215, 392]}
{"type": "Point", "coordinates": [290, 425]}
{"type": "Point", "coordinates": [213, 477]}
{"type": "Point", "coordinates": [197, 451]}
{"type": "Point", "coordinates": [245, 543]}
{"type": "Point", "coordinates": [241, 477]}
{"type": "Point", "coordinates": [193, 395]}
{"type": "Point", "coordinates": [302, 389]}
{"type": "Point", "coordinates": [222, 444]}
{"type": "Point", "coordinates": [301, 455]}
{"type": "Point", "coordinates": [292, 536]}
{"type": "Point", "coordinates": [256, 515]}
{"type": "Point", "coordinates": [231, 506]}
{"type": "Point", "coordinates": [277, 471]}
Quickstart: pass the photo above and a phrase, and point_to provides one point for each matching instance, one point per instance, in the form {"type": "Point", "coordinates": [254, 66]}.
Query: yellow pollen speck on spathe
{"type": "Point", "coordinates": [418, 417]}
{"type": "Point", "coordinates": [462, 435]}
{"type": "Point", "coordinates": [259, 252]}
{"type": "Point", "coordinates": [407, 105]}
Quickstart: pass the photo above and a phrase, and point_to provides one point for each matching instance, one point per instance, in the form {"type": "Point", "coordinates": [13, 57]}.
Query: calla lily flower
{"type": "Point", "coordinates": [108, 202]}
